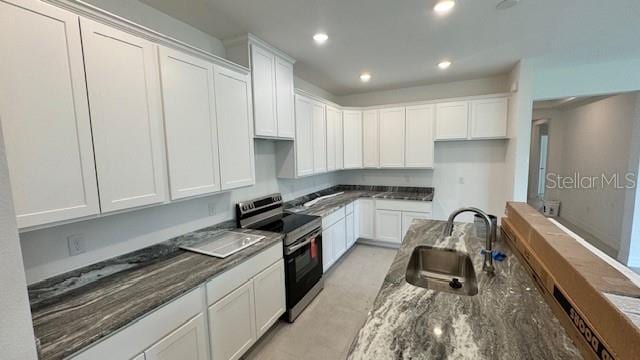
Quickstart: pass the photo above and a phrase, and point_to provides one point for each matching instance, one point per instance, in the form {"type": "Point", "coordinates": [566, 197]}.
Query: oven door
{"type": "Point", "coordinates": [303, 266]}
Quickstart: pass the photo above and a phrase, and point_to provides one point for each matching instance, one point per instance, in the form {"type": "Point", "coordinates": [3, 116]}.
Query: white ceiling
{"type": "Point", "coordinates": [400, 41]}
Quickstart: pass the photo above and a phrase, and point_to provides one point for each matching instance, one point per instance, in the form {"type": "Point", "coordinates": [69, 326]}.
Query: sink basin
{"type": "Point", "coordinates": [442, 270]}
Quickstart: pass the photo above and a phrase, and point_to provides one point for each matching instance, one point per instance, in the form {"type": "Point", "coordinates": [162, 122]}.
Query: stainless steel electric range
{"type": "Point", "coordinates": [302, 247]}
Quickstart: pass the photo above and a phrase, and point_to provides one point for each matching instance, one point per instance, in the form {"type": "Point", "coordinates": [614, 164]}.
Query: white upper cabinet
{"type": "Point", "coordinates": [452, 119]}
{"type": "Point", "coordinates": [44, 114]}
{"type": "Point", "coordinates": [284, 99]}
{"type": "Point", "coordinates": [319, 138]}
{"type": "Point", "coordinates": [331, 138]}
{"type": "Point", "coordinates": [352, 125]}
{"type": "Point", "coordinates": [272, 93]}
{"type": "Point", "coordinates": [392, 137]}
{"type": "Point", "coordinates": [335, 159]}
{"type": "Point", "coordinates": [263, 65]}
{"type": "Point", "coordinates": [190, 124]}
{"type": "Point", "coordinates": [304, 136]}
{"type": "Point", "coordinates": [489, 118]}
{"type": "Point", "coordinates": [126, 116]}
{"type": "Point", "coordinates": [419, 145]}
{"type": "Point", "coordinates": [474, 119]}
{"type": "Point", "coordinates": [370, 139]}
{"type": "Point", "coordinates": [233, 113]}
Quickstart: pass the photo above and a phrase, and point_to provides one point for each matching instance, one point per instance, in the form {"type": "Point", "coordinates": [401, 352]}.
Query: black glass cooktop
{"type": "Point", "coordinates": [286, 223]}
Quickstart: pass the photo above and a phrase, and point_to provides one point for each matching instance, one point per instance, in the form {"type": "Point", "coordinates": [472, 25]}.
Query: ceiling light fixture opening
{"type": "Point", "coordinates": [444, 64]}
{"type": "Point", "coordinates": [444, 6]}
{"type": "Point", "coordinates": [505, 4]}
{"type": "Point", "coordinates": [365, 77]}
{"type": "Point", "coordinates": [320, 38]}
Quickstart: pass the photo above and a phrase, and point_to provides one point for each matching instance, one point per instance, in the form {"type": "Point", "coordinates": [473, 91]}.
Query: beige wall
{"type": "Point", "coordinates": [590, 140]}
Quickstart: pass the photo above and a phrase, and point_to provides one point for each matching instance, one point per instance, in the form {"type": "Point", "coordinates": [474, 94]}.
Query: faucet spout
{"type": "Point", "coordinates": [487, 265]}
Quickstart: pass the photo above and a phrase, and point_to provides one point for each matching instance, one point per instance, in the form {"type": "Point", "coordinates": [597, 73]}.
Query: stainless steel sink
{"type": "Point", "coordinates": [442, 270]}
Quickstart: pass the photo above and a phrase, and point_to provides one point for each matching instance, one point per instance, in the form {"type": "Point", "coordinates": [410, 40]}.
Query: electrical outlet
{"type": "Point", "coordinates": [76, 244]}
{"type": "Point", "coordinates": [461, 180]}
{"type": "Point", "coordinates": [212, 208]}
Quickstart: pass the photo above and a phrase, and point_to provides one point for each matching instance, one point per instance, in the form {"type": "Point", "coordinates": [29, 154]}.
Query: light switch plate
{"type": "Point", "coordinates": [76, 244]}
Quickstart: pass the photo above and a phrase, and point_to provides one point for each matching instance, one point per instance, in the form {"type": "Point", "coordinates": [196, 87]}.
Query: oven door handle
{"type": "Point", "coordinates": [291, 249]}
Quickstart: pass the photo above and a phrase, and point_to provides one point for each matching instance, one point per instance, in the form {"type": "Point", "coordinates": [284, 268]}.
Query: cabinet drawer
{"type": "Point", "coordinates": [332, 218]}
{"type": "Point", "coordinates": [231, 279]}
{"type": "Point", "coordinates": [405, 205]}
{"type": "Point", "coordinates": [349, 208]}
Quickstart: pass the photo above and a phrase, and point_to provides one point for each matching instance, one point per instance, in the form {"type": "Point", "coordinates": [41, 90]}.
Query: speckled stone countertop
{"type": "Point", "coordinates": [508, 319]}
{"type": "Point", "coordinates": [76, 309]}
{"type": "Point", "coordinates": [353, 192]}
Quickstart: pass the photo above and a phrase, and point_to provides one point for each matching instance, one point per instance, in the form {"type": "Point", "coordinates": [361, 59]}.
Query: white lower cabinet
{"type": "Point", "coordinates": [334, 243]}
{"type": "Point", "coordinates": [339, 239]}
{"type": "Point", "coordinates": [188, 342]}
{"type": "Point", "coordinates": [269, 292]}
{"type": "Point", "coordinates": [389, 226]}
{"type": "Point", "coordinates": [366, 219]}
{"type": "Point", "coordinates": [232, 324]}
{"type": "Point", "coordinates": [407, 220]}
{"type": "Point", "coordinates": [351, 231]}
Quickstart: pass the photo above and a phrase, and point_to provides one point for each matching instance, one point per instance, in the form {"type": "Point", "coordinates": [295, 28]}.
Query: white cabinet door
{"type": "Point", "coordinates": [328, 259]}
{"type": "Point", "coordinates": [233, 111]}
{"type": "Point", "coordinates": [367, 218]}
{"type": "Point", "coordinates": [419, 145]}
{"type": "Point", "coordinates": [352, 125]}
{"type": "Point", "coordinates": [269, 292]}
{"type": "Point", "coordinates": [389, 226]}
{"type": "Point", "coordinates": [452, 120]}
{"type": "Point", "coordinates": [232, 324]}
{"type": "Point", "coordinates": [392, 137]}
{"type": "Point", "coordinates": [339, 141]}
{"type": "Point", "coordinates": [188, 342]}
{"type": "Point", "coordinates": [126, 116]}
{"type": "Point", "coordinates": [284, 99]}
{"type": "Point", "coordinates": [319, 138]}
{"type": "Point", "coordinates": [339, 239]}
{"type": "Point", "coordinates": [370, 139]}
{"type": "Point", "coordinates": [407, 220]}
{"type": "Point", "coordinates": [304, 136]}
{"type": "Point", "coordinates": [332, 123]}
{"type": "Point", "coordinates": [351, 234]}
{"type": "Point", "coordinates": [335, 154]}
{"type": "Point", "coordinates": [45, 115]}
{"type": "Point", "coordinates": [263, 68]}
{"type": "Point", "coordinates": [489, 118]}
{"type": "Point", "coordinates": [191, 129]}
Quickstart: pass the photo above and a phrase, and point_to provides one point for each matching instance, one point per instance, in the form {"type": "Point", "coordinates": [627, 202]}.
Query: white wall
{"type": "Point", "coordinates": [591, 140]}
{"type": "Point", "coordinates": [466, 173]}
{"type": "Point", "coordinates": [46, 254]}
{"type": "Point", "coordinates": [302, 84]}
{"type": "Point", "coordinates": [492, 85]}
{"type": "Point", "coordinates": [16, 330]}
{"type": "Point", "coordinates": [153, 19]}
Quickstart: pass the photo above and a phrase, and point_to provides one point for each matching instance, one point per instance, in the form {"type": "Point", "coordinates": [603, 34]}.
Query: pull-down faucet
{"type": "Point", "coordinates": [487, 265]}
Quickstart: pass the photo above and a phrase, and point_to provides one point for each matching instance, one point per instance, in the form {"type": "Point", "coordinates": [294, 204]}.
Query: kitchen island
{"type": "Point", "coordinates": [507, 319]}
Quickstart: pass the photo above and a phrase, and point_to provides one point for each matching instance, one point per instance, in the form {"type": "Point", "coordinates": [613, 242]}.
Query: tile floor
{"type": "Point", "coordinates": [325, 330]}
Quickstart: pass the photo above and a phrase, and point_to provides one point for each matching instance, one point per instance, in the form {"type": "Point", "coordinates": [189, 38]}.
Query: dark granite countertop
{"type": "Point", "coordinates": [507, 319]}
{"type": "Point", "coordinates": [76, 309]}
{"type": "Point", "coordinates": [353, 192]}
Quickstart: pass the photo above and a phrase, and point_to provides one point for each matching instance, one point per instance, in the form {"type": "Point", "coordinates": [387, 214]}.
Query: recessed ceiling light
{"type": "Point", "coordinates": [444, 6]}
{"type": "Point", "coordinates": [320, 38]}
{"type": "Point", "coordinates": [365, 77]}
{"type": "Point", "coordinates": [444, 64]}
{"type": "Point", "coordinates": [505, 4]}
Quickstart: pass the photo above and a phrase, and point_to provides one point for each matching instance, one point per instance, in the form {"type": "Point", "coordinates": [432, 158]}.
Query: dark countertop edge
{"type": "Point", "coordinates": [243, 255]}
